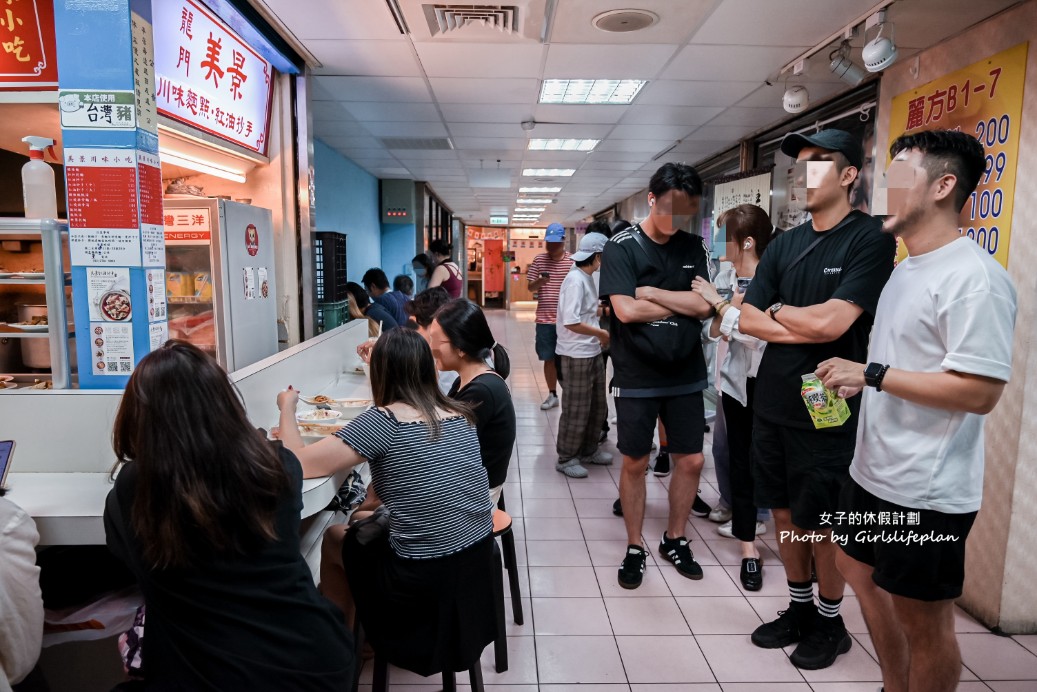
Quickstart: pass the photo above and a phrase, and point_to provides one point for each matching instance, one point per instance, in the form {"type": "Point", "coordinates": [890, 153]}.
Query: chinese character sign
{"type": "Point", "coordinates": [209, 78]}
{"type": "Point", "coordinates": [753, 190]}
{"type": "Point", "coordinates": [27, 48]}
{"type": "Point", "coordinates": [985, 100]}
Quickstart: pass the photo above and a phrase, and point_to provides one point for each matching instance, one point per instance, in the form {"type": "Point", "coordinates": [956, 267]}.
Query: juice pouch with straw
{"type": "Point", "coordinates": [825, 408]}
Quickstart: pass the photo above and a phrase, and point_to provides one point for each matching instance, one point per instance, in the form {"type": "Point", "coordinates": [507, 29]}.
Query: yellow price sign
{"type": "Point", "coordinates": [985, 100]}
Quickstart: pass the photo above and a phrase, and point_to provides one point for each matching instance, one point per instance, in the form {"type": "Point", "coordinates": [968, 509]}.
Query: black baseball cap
{"type": "Point", "coordinates": [833, 140]}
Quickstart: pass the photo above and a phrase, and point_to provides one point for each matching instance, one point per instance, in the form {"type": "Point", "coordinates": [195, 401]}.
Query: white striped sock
{"type": "Point", "coordinates": [828, 609]}
{"type": "Point", "coordinates": [801, 594]}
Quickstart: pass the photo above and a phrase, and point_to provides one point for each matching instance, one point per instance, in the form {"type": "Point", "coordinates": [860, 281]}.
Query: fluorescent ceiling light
{"type": "Point", "coordinates": [539, 190]}
{"type": "Point", "coordinates": [535, 200]}
{"type": "Point", "coordinates": [525, 216]}
{"type": "Point", "coordinates": [202, 166]}
{"type": "Point", "coordinates": [548, 172]}
{"type": "Point", "coordinates": [601, 91]}
{"type": "Point", "coordinates": [563, 144]}
{"type": "Point", "coordinates": [521, 209]}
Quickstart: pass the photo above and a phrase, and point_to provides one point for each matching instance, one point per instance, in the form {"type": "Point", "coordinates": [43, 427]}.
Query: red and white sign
{"type": "Point", "coordinates": [207, 77]}
{"type": "Point", "coordinates": [251, 240]}
{"type": "Point", "coordinates": [28, 59]}
{"type": "Point", "coordinates": [187, 226]}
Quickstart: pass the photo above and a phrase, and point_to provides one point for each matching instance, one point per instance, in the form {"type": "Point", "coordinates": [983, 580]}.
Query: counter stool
{"type": "Point", "coordinates": [502, 528]}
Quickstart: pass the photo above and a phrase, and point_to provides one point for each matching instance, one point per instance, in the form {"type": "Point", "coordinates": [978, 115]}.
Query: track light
{"type": "Point", "coordinates": [796, 99]}
{"type": "Point", "coordinates": [880, 52]}
{"type": "Point", "coordinates": [843, 67]}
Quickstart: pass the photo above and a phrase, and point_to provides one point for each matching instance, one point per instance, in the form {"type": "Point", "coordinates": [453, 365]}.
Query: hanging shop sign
{"type": "Point", "coordinates": [207, 77]}
{"type": "Point", "coordinates": [28, 58]}
{"type": "Point", "coordinates": [984, 99]}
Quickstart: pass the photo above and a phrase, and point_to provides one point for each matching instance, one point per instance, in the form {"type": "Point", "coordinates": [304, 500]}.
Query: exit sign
{"type": "Point", "coordinates": [498, 220]}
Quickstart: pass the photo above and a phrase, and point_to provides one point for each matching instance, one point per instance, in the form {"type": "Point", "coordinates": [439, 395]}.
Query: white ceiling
{"type": "Point", "coordinates": [706, 62]}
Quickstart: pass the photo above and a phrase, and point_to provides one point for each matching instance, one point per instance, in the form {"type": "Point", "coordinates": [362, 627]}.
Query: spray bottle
{"type": "Point", "coordinates": [38, 180]}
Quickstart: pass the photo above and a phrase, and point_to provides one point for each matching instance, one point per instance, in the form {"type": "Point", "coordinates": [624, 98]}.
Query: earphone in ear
{"type": "Point", "coordinates": [651, 202]}
{"type": "Point", "coordinates": [747, 245]}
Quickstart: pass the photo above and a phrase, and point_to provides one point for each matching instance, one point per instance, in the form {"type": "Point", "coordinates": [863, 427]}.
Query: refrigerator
{"type": "Point", "coordinates": [220, 278]}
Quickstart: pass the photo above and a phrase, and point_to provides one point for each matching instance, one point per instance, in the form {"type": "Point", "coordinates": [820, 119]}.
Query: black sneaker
{"type": "Point", "coordinates": [751, 575]}
{"type": "Point", "coordinates": [632, 571]}
{"type": "Point", "coordinates": [700, 508]}
{"type": "Point", "coordinates": [823, 644]}
{"type": "Point", "coordinates": [791, 626]}
{"type": "Point", "coordinates": [676, 550]}
{"type": "Point", "coordinates": [617, 508]}
{"type": "Point", "coordinates": [661, 468]}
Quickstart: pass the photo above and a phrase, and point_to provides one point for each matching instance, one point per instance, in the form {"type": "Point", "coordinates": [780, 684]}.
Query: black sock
{"type": "Point", "coordinates": [802, 593]}
{"type": "Point", "coordinates": [827, 607]}
{"type": "Point", "coordinates": [552, 392]}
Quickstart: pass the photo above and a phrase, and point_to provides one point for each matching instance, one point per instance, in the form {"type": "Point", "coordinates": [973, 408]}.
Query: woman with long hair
{"type": "Point", "coordinates": [423, 269]}
{"type": "Point", "coordinates": [361, 306]}
{"type": "Point", "coordinates": [462, 342]}
{"type": "Point", "coordinates": [206, 513]}
{"type": "Point", "coordinates": [446, 273]}
{"type": "Point", "coordinates": [424, 589]}
{"type": "Point", "coordinates": [749, 230]}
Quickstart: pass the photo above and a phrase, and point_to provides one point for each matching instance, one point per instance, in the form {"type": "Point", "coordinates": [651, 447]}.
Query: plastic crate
{"type": "Point", "coordinates": [330, 266]}
{"type": "Point", "coordinates": [331, 315]}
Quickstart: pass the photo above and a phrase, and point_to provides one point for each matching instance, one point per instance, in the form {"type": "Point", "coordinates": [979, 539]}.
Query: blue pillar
{"type": "Point", "coordinates": [114, 185]}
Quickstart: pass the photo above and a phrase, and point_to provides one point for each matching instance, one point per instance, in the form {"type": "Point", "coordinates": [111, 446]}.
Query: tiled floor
{"type": "Point", "coordinates": [583, 632]}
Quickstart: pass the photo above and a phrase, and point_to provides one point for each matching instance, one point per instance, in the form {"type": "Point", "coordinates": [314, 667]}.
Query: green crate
{"type": "Point", "coordinates": [331, 315]}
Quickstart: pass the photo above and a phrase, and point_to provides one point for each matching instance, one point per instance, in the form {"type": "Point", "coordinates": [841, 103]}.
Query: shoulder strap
{"type": "Point", "coordinates": [638, 235]}
{"type": "Point", "coordinates": [817, 240]}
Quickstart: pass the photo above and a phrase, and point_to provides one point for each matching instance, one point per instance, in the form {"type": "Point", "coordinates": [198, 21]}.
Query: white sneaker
{"type": "Point", "coordinates": [571, 468]}
{"type": "Point", "coordinates": [599, 458]}
{"type": "Point", "coordinates": [720, 515]}
{"type": "Point", "coordinates": [726, 531]}
{"type": "Point", "coordinates": [550, 402]}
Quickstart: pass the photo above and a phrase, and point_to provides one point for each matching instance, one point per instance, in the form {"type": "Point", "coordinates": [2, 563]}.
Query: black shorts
{"type": "Point", "coordinates": [801, 470]}
{"type": "Point", "coordinates": [921, 556]}
{"type": "Point", "coordinates": [683, 416]}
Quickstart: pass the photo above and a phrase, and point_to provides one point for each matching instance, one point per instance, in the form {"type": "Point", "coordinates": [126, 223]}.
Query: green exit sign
{"type": "Point", "coordinates": [498, 220]}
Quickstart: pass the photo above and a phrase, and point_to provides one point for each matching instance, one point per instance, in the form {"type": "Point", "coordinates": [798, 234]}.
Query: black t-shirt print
{"type": "Point", "coordinates": [672, 266]}
{"type": "Point", "coordinates": [852, 264]}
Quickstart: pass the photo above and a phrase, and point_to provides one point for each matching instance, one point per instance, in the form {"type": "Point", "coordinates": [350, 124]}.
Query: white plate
{"type": "Point", "coordinates": [29, 327]}
{"type": "Point", "coordinates": [8, 385]}
{"type": "Point", "coordinates": [309, 417]}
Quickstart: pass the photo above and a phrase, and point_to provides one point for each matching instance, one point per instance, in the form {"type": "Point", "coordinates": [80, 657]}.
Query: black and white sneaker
{"type": "Point", "coordinates": [676, 550]}
{"type": "Point", "coordinates": [700, 508]}
{"type": "Point", "coordinates": [632, 571]}
{"type": "Point", "coordinates": [661, 468]}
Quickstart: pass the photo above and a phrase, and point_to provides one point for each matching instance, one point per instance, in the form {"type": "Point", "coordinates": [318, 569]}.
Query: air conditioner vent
{"type": "Point", "coordinates": [425, 143]}
{"type": "Point", "coordinates": [443, 19]}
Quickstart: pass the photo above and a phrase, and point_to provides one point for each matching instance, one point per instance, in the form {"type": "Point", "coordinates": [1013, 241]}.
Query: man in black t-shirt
{"type": "Point", "coordinates": [813, 298]}
{"type": "Point", "coordinates": [659, 370]}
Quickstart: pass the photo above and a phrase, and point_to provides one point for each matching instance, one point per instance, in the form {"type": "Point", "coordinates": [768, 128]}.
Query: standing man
{"type": "Point", "coordinates": [580, 343]}
{"type": "Point", "coordinates": [813, 298]}
{"type": "Point", "coordinates": [941, 353]}
{"type": "Point", "coordinates": [659, 370]}
{"type": "Point", "coordinates": [545, 276]}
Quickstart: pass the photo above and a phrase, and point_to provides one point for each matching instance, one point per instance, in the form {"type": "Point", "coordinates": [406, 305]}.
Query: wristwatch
{"type": "Point", "coordinates": [873, 375]}
{"type": "Point", "coordinates": [774, 308]}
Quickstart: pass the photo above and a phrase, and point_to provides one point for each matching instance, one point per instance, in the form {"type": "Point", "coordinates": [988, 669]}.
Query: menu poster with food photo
{"type": "Point", "coordinates": [109, 292]}
{"type": "Point", "coordinates": [157, 309]}
{"type": "Point", "coordinates": [250, 283]}
{"type": "Point", "coordinates": [159, 335]}
{"type": "Point", "coordinates": [112, 348]}
{"type": "Point", "coordinates": [264, 284]}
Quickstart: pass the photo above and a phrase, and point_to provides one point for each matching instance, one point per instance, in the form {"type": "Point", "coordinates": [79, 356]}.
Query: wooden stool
{"type": "Point", "coordinates": [502, 528]}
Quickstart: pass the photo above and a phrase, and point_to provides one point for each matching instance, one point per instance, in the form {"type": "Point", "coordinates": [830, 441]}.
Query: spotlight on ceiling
{"type": "Point", "coordinates": [880, 52]}
{"type": "Point", "coordinates": [843, 67]}
{"type": "Point", "coordinates": [796, 99]}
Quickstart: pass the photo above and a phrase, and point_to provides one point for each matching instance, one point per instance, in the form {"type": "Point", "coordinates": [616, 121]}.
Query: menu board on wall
{"type": "Point", "coordinates": [207, 77]}
{"type": "Point", "coordinates": [985, 100]}
{"type": "Point", "coordinates": [728, 195]}
{"type": "Point", "coordinates": [28, 56]}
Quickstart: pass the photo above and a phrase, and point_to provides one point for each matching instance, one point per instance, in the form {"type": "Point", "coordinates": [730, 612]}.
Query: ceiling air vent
{"type": "Point", "coordinates": [426, 143]}
{"type": "Point", "coordinates": [442, 19]}
{"type": "Point", "coordinates": [624, 21]}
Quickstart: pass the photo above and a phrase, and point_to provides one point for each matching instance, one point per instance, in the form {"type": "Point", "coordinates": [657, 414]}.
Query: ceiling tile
{"type": "Point", "coordinates": [491, 144]}
{"type": "Point", "coordinates": [680, 93]}
{"type": "Point", "coordinates": [394, 89]}
{"type": "Point", "coordinates": [785, 23]}
{"type": "Point", "coordinates": [364, 58]}
{"type": "Point", "coordinates": [655, 131]}
{"type": "Point", "coordinates": [651, 146]}
{"type": "Point", "coordinates": [677, 21]}
{"type": "Point", "coordinates": [349, 142]}
{"type": "Point", "coordinates": [582, 61]}
{"type": "Point", "coordinates": [395, 129]}
{"type": "Point", "coordinates": [352, 19]}
{"type": "Point", "coordinates": [730, 63]}
{"type": "Point", "coordinates": [689, 116]}
{"type": "Point", "coordinates": [400, 112]}
{"type": "Point", "coordinates": [485, 113]}
{"type": "Point", "coordinates": [463, 129]}
{"type": "Point", "coordinates": [472, 60]}
{"type": "Point", "coordinates": [457, 90]}
{"type": "Point", "coordinates": [339, 128]}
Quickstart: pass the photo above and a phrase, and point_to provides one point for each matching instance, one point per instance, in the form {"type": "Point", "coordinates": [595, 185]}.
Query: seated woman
{"type": "Point", "coordinates": [424, 591]}
{"type": "Point", "coordinates": [461, 341]}
{"type": "Point", "coordinates": [206, 514]}
{"type": "Point", "coordinates": [360, 306]}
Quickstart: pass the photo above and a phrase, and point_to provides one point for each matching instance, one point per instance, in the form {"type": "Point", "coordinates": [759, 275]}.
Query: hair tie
{"type": "Point", "coordinates": [493, 346]}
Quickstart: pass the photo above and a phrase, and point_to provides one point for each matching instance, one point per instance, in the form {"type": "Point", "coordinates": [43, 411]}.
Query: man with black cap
{"type": "Point", "coordinates": [813, 298]}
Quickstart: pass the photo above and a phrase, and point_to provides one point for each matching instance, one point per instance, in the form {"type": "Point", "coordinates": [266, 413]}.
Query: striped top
{"type": "Point", "coordinates": [436, 492]}
{"type": "Point", "coordinates": [547, 296]}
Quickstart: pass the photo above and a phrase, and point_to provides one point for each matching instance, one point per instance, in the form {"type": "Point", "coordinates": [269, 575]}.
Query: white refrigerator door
{"type": "Point", "coordinates": [247, 242]}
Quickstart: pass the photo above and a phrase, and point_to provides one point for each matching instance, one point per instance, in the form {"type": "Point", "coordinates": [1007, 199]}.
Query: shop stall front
{"type": "Point", "coordinates": [524, 245]}
{"type": "Point", "coordinates": [487, 265]}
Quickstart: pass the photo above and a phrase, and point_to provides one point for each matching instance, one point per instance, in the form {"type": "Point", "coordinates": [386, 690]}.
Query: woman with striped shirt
{"type": "Point", "coordinates": [424, 591]}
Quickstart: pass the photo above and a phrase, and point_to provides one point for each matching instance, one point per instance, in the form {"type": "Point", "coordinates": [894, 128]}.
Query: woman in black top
{"type": "Point", "coordinates": [462, 342]}
{"type": "Point", "coordinates": [206, 514]}
{"type": "Point", "coordinates": [424, 591]}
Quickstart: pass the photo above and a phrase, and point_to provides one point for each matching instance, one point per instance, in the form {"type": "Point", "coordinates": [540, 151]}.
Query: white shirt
{"type": "Point", "coordinates": [949, 309]}
{"type": "Point", "coordinates": [744, 354]}
{"type": "Point", "coordinates": [21, 605]}
{"type": "Point", "coordinates": [577, 303]}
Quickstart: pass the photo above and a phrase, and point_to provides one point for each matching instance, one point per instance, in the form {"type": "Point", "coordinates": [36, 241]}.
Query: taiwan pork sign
{"type": "Point", "coordinates": [209, 78]}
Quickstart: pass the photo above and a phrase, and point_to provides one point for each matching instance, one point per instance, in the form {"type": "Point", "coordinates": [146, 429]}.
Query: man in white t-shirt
{"type": "Point", "coordinates": [580, 340]}
{"type": "Point", "coordinates": [941, 352]}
